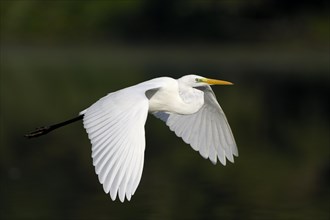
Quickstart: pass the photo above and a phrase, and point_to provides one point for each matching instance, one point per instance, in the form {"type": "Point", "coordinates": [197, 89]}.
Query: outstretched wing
{"type": "Point", "coordinates": [207, 130]}
{"type": "Point", "coordinates": [115, 126]}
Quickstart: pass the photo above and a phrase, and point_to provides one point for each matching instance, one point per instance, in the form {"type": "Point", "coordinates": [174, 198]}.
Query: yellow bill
{"type": "Point", "coordinates": [217, 82]}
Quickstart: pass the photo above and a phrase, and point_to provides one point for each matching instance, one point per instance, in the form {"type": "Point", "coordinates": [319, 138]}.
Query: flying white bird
{"type": "Point", "coordinates": [115, 126]}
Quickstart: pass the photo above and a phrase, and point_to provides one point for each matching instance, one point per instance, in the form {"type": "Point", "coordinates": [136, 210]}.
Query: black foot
{"type": "Point", "coordinates": [39, 131]}
{"type": "Point", "coordinates": [46, 129]}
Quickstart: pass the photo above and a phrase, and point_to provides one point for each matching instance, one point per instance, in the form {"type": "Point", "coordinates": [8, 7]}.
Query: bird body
{"type": "Point", "coordinates": [115, 127]}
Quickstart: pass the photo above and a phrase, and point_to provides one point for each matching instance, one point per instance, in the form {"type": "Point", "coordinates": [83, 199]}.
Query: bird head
{"type": "Point", "coordinates": [196, 81]}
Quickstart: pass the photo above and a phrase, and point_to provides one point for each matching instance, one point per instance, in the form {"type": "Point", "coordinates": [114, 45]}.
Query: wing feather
{"type": "Point", "coordinates": [218, 144]}
{"type": "Point", "coordinates": [209, 142]}
{"type": "Point", "coordinates": [202, 143]}
{"type": "Point", "coordinates": [115, 126]}
{"type": "Point", "coordinates": [123, 187]}
{"type": "Point", "coordinates": [207, 130]}
{"type": "Point", "coordinates": [103, 167]}
{"type": "Point", "coordinates": [115, 176]}
{"type": "Point", "coordinates": [117, 135]}
{"type": "Point", "coordinates": [113, 130]}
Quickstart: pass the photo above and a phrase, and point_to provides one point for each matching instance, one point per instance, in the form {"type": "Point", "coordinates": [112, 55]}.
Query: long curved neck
{"type": "Point", "coordinates": [177, 99]}
{"type": "Point", "coordinates": [180, 101]}
{"type": "Point", "coordinates": [192, 99]}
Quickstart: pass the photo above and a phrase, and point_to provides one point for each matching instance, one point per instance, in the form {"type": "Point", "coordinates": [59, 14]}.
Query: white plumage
{"type": "Point", "coordinates": [115, 126]}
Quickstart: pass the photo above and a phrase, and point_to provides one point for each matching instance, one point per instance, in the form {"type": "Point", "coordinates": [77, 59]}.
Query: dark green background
{"type": "Point", "coordinates": [58, 57]}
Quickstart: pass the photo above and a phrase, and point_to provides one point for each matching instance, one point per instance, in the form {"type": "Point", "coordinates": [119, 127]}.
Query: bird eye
{"type": "Point", "coordinates": [198, 80]}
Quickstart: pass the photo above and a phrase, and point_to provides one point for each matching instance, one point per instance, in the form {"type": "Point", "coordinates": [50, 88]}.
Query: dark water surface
{"type": "Point", "coordinates": [278, 111]}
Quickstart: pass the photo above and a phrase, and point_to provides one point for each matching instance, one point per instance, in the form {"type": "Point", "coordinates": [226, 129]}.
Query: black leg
{"type": "Point", "coordinates": [46, 129]}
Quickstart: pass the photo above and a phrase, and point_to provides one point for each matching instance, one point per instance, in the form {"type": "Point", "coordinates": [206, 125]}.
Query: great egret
{"type": "Point", "coordinates": [115, 126]}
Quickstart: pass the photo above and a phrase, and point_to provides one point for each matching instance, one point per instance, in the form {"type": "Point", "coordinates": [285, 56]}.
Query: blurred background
{"type": "Point", "coordinates": [59, 57]}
